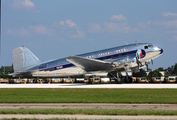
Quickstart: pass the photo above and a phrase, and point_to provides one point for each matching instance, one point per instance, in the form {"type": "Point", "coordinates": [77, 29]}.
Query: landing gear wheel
{"type": "Point", "coordinates": [129, 80]}
{"type": "Point", "coordinates": [118, 82]}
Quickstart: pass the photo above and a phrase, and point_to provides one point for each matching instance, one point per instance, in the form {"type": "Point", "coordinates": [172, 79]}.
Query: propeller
{"type": "Point", "coordinates": [138, 62]}
{"type": "Point", "coordinates": [147, 66]}
{"type": "Point", "coordinates": [146, 63]}
{"type": "Point", "coordinates": [151, 61]}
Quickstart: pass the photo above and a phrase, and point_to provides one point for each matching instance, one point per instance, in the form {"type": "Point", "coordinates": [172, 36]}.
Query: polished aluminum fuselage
{"type": "Point", "coordinates": [118, 55]}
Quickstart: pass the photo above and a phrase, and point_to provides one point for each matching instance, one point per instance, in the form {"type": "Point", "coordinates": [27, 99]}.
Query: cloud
{"type": "Point", "coordinates": [111, 27]}
{"type": "Point", "coordinates": [171, 23]}
{"type": "Point", "coordinates": [94, 27]}
{"type": "Point", "coordinates": [61, 22]}
{"type": "Point", "coordinates": [80, 34]}
{"type": "Point", "coordinates": [16, 4]}
{"type": "Point", "coordinates": [67, 28]}
{"type": "Point", "coordinates": [40, 29]}
{"type": "Point", "coordinates": [144, 24]}
{"type": "Point", "coordinates": [70, 23]}
{"type": "Point", "coordinates": [119, 17]}
{"type": "Point", "coordinates": [117, 27]}
{"type": "Point", "coordinates": [70, 28]}
{"type": "Point", "coordinates": [166, 14]}
{"type": "Point", "coordinates": [18, 32]}
{"type": "Point", "coordinates": [23, 4]}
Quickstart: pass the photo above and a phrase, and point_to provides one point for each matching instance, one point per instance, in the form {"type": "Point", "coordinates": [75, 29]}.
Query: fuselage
{"type": "Point", "coordinates": [120, 55]}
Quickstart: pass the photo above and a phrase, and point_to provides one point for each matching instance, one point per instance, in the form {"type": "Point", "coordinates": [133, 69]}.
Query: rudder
{"type": "Point", "coordinates": [23, 58]}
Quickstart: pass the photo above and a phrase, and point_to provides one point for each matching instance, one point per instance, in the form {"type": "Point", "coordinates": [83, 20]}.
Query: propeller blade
{"type": "Point", "coordinates": [147, 66]}
{"type": "Point", "coordinates": [137, 61]}
{"type": "Point", "coordinates": [151, 61]}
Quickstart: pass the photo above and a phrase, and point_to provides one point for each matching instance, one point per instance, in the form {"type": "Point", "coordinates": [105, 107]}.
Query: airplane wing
{"type": "Point", "coordinates": [89, 64]}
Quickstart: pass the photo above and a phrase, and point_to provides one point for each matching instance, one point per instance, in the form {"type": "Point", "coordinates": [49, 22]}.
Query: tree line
{"type": "Point", "coordinates": [5, 70]}
{"type": "Point", "coordinates": [170, 71]}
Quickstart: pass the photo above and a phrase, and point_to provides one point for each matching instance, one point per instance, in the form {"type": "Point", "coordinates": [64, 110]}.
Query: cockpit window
{"type": "Point", "coordinates": [148, 46]}
{"type": "Point", "coordinates": [145, 47]}
{"type": "Point", "coordinates": [151, 46]}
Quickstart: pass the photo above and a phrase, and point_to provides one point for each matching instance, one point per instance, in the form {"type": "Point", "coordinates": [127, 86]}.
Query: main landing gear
{"type": "Point", "coordinates": [121, 79]}
{"type": "Point", "coordinates": [117, 78]}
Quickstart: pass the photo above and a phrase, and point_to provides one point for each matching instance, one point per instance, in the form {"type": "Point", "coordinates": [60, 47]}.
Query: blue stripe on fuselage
{"type": "Point", "coordinates": [112, 57]}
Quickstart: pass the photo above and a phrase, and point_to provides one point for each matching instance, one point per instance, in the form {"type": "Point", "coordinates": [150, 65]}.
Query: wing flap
{"type": "Point", "coordinates": [89, 64]}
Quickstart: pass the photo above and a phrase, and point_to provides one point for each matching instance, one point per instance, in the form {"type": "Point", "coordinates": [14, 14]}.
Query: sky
{"type": "Point", "coordinates": [54, 29]}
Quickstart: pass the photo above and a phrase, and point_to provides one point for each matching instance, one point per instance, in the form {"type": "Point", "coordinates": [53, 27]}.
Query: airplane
{"type": "Point", "coordinates": [122, 58]}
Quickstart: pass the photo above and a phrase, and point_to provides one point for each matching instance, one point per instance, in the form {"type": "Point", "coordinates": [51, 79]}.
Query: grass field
{"type": "Point", "coordinates": [39, 95]}
{"type": "Point", "coordinates": [44, 119]}
{"type": "Point", "coordinates": [87, 112]}
{"type": "Point", "coordinates": [41, 119]}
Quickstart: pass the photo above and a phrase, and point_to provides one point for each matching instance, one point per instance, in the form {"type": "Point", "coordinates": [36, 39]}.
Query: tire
{"type": "Point", "coordinates": [118, 82]}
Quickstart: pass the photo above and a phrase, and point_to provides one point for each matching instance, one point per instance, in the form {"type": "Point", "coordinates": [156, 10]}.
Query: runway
{"type": "Point", "coordinates": [82, 85]}
{"type": "Point", "coordinates": [109, 106]}
{"type": "Point", "coordinates": [98, 117]}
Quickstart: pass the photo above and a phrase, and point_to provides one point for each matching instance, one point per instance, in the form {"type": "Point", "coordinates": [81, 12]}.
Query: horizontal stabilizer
{"type": "Point", "coordinates": [89, 64]}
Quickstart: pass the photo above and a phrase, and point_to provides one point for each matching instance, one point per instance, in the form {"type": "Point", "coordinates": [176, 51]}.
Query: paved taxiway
{"type": "Point", "coordinates": [120, 117]}
{"type": "Point", "coordinates": [82, 85]}
{"type": "Point", "coordinates": [109, 106]}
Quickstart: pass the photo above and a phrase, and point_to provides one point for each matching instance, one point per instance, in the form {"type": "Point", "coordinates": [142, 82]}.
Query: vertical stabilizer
{"type": "Point", "coordinates": [23, 58]}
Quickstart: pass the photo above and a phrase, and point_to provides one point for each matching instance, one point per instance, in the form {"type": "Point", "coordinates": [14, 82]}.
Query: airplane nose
{"type": "Point", "coordinates": [161, 51]}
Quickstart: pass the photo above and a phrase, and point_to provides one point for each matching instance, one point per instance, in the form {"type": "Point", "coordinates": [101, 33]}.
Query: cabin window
{"type": "Point", "coordinates": [104, 58]}
{"type": "Point", "coordinates": [112, 56]}
{"type": "Point", "coordinates": [41, 67]}
{"type": "Point", "coordinates": [127, 53]}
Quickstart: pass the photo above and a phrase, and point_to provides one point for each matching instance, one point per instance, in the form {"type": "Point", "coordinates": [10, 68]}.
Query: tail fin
{"type": "Point", "coordinates": [23, 58]}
